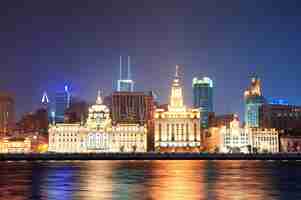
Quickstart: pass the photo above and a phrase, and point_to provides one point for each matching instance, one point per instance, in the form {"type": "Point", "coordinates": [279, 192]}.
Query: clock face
{"type": "Point", "coordinates": [99, 115]}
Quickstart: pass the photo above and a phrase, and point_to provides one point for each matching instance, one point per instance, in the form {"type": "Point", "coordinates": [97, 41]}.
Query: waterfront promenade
{"type": "Point", "coordinates": [147, 156]}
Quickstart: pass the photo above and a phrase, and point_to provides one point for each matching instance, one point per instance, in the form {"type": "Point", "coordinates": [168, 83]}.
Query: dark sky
{"type": "Point", "coordinates": [45, 44]}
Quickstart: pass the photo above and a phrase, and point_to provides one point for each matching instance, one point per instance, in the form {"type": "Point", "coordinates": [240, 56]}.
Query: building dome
{"type": "Point", "coordinates": [99, 115]}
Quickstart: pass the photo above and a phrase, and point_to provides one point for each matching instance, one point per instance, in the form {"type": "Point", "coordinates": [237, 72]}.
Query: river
{"type": "Point", "coordinates": [158, 180]}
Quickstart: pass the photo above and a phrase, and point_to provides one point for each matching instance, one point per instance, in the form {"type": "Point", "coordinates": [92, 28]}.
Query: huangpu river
{"type": "Point", "coordinates": [158, 180]}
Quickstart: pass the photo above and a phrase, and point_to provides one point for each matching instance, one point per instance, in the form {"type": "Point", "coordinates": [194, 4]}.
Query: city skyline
{"type": "Point", "coordinates": [227, 44]}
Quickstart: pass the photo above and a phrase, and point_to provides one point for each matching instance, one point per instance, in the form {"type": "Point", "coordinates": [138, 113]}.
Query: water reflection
{"type": "Point", "coordinates": [235, 180]}
{"type": "Point", "coordinates": [176, 180]}
{"type": "Point", "coordinates": [15, 180]}
{"type": "Point", "coordinates": [156, 180]}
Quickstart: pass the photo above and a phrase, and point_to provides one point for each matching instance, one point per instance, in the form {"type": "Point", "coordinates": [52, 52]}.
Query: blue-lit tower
{"type": "Point", "coordinates": [203, 98]}
{"type": "Point", "coordinates": [62, 102]}
{"type": "Point", "coordinates": [253, 100]}
{"type": "Point", "coordinates": [125, 84]}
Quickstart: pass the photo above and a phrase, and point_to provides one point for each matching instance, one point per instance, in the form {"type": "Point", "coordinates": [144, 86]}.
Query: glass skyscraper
{"type": "Point", "coordinates": [253, 101]}
{"type": "Point", "coordinates": [203, 98]}
{"type": "Point", "coordinates": [62, 102]}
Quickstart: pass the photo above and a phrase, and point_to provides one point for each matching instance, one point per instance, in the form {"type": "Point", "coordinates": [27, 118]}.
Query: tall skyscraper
{"type": "Point", "coordinates": [62, 102]}
{"type": "Point", "coordinates": [203, 98]}
{"type": "Point", "coordinates": [253, 101]}
{"type": "Point", "coordinates": [7, 113]}
{"type": "Point", "coordinates": [125, 84]}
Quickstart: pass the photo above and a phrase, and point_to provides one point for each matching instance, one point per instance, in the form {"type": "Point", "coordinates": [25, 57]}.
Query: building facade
{"type": "Point", "coordinates": [177, 128]}
{"type": "Point", "coordinates": [132, 107]}
{"type": "Point", "coordinates": [265, 140]}
{"type": "Point", "coordinates": [203, 98]}
{"type": "Point", "coordinates": [290, 144]}
{"type": "Point", "coordinates": [280, 116]}
{"type": "Point", "coordinates": [98, 134]}
{"type": "Point", "coordinates": [7, 113]}
{"type": "Point", "coordinates": [67, 138]}
{"type": "Point", "coordinates": [15, 145]}
{"type": "Point", "coordinates": [99, 125]}
{"type": "Point", "coordinates": [234, 139]}
{"type": "Point", "coordinates": [135, 108]}
{"type": "Point", "coordinates": [253, 100]}
{"type": "Point", "coordinates": [128, 138]}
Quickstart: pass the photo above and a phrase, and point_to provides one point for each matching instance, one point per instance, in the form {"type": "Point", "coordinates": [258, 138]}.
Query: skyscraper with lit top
{"type": "Point", "coordinates": [203, 98]}
{"type": "Point", "coordinates": [253, 100]}
{"type": "Point", "coordinates": [125, 84]}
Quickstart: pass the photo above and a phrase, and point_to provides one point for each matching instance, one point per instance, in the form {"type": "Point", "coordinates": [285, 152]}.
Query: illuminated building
{"type": "Point", "coordinates": [127, 84]}
{"type": "Point", "coordinates": [265, 140]}
{"type": "Point", "coordinates": [62, 102]}
{"type": "Point", "coordinates": [253, 100]}
{"type": "Point", "coordinates": [234, 139]}
{"type": "Point", "coordinates": [67, 138]}
{"type": "Point", "coordinates": [290, 142]}
{"type": "Point", "coordinates": [228, 139]}
{"type": "Point", "coordinates": [99, 125]}
{"type": "Point", "coordinates": [177, 128]}
{"type": "Point", "coordinates": [98, 134]}
{"type": "Point", "coordinates": [135, 108]}
{"type": "Point", "coordinates": [280, 116]}
{"type": "Point", "coordinates": [203, 98]}
{"type": "Point", "coordinates": [7, 113]}
{"type": "Point", "coordinates": [15, 145]}
{"type": "Point", "coordinates": [128, 138]}
{"type": "Point", "coordinates": [121, 137]}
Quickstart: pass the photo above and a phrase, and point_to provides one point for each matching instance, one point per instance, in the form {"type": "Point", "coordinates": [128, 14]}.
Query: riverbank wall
{"type": "Point", "coordinates": [146, 156]}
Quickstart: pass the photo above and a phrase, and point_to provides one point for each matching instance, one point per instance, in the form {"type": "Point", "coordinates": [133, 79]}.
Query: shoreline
{"type": "Point", "coordinates": [147, 156]}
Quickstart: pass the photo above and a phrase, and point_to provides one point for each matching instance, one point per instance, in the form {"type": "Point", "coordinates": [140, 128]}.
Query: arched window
{"type": "Point", "coordinates": [187, 132]}
{"type": "Point", "coordinates": [195, 131]}
{"type": "Point", "coordinates": [182, 132]}
{"type": "Point", "coordinates": [160, 132]}
{"type": "Point", "coordinates": [167, 131]}
{"type": "Point", "coordinates": [177, 132]}
{"type": "Point", "coordinates": [172, 132]}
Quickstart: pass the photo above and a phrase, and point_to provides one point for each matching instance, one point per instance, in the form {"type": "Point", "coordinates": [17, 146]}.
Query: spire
{"type": "Point", "coordinates": [99, 99]}
{"type": "Point", "coordinates": [45, 99]}
{"type": "Point", "coordinates": [177, 71]}
{"type": "Point", "coordinates": [176, 98]}
{"type": "Point", "coordinates": [129, 68]}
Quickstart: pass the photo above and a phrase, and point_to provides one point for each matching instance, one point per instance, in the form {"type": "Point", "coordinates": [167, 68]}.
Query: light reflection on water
{"type": "Point", "coordinates": [157, 180]}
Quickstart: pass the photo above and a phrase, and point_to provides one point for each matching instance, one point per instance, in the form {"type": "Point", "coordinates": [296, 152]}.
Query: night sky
{"type": "Point", "coordinates": [45, 44]}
